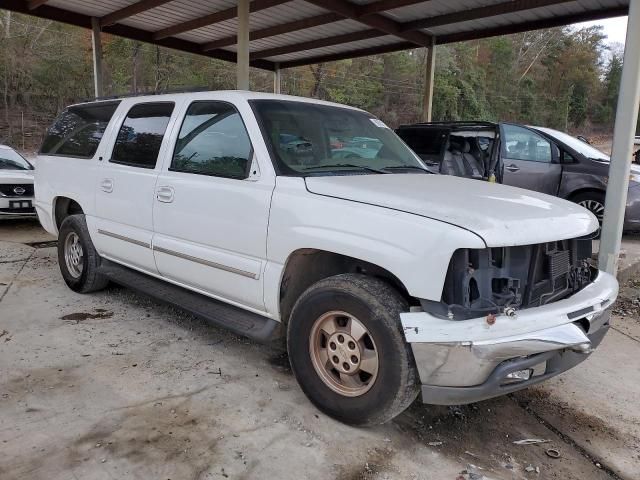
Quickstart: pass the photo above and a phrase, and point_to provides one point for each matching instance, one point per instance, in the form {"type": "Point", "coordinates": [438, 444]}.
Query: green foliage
{"type": "Point", "coordinates": [554, 77]}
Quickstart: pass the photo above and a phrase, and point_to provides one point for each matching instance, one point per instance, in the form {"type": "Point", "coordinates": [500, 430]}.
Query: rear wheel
{"type": "Point", "coordinates": [592, 201]}
{"type": "Point", "coordinates": [348, 352]}
{"type": "Point", "coordinates": [77, 257]}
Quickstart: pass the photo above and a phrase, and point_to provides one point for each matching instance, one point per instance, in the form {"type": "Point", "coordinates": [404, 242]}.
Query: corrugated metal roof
{"type": "Point", "coordinates": [320, 31]}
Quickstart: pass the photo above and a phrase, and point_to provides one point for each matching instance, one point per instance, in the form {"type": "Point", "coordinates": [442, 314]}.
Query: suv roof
{"type": "Point", "coordinates": [206, 94]}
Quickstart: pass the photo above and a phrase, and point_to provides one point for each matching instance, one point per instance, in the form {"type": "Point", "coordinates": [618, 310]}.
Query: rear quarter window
{"type": "Point", "coordinates": [78, 130]}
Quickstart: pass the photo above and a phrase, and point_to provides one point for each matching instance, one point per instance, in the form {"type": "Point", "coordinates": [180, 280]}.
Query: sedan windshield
{"type": "Point", "coordinates": [12, 160]}
{"type": "Point", "coordinates": [310, 139]}
{"type": "Point", "coordinates": [576, 144]}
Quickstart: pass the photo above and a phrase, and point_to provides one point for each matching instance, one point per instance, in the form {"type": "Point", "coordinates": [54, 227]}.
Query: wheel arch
{"type": "Point", "coordinates": [584, 190]}
{"type": "Point", "coordinates": [306, 266]}
{"type": "Point", "coordinates": [63, 207]}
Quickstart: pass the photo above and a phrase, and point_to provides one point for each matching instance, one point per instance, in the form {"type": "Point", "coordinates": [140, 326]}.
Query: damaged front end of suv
{"type": "Point", "coordinates": [491, 281]}
{"type": "Point", "coordinates": [509, 317]}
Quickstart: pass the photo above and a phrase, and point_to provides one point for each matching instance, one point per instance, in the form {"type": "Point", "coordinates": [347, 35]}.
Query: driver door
{"type": "Point", "coordinates": [529, 160]}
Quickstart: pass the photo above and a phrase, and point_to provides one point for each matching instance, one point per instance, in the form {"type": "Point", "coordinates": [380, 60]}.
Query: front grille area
{"type": "Point", "coordinates": [23, 190]}
{"type": "Point", "coordinates": [490, 280]}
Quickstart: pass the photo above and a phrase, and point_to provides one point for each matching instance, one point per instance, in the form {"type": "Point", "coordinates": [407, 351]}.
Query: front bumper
{"type": "Point", "coordinates": [467, 361]}
{"type": "Point", "coordinates": [7, 209]}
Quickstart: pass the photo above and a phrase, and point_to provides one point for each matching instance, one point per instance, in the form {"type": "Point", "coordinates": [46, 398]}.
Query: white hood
{"type": "Point", "coordinates": [16, 176]}
{"type": "Point", "coordinates": [501, 215]}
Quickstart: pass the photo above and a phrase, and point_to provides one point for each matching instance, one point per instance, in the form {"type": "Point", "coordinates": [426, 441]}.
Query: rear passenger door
{"type": "Point", "coordinates": [212, 207]}
{"type": "Point", "coordinates": [529, 160]}
{"type": "Point", "coordinates": [126, 182]}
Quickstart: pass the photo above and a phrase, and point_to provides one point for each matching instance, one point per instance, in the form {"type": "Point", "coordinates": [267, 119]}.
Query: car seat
{"type": "Point", "coordinates": [452, 162]}
{"type": "Point", "coordinates": [473, 158]}
{"type": "Point", "coordinates": [458, 160]}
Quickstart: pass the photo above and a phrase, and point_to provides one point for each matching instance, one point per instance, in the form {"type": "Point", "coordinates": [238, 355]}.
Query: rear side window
{"type": "Point", "coordinates": [140, 136]}
{"type": "Point", "coordinates": [213, 141]}
{"type": "Point", "coordinates": [78, 130]}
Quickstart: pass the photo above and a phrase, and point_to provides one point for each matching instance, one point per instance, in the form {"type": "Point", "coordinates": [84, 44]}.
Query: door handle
{"type": "Point", "coordinates": [512, 168]}
{"type": "Point", "coordinates": [107, 185]}
{"type": "Point", "coordinates": [164, 194]}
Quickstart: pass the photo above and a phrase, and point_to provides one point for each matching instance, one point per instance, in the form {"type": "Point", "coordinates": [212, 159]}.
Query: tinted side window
{"type": "Point", "coordinates": [212, 141]}
{"type": "Point", "coordinates": [523, 144]}
{"type": "Point", "coordinates": [78, 130]}
{"type": "Point", "coordinates": [140, 136]}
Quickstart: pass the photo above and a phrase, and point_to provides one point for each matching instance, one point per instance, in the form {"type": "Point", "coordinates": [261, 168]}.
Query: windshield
{"type": "Point", "coordinates": [12, 160]}
{"type": "Point", "coordinates": [311, 139]}
{"type": "Point", "coordinates": [575, 144]}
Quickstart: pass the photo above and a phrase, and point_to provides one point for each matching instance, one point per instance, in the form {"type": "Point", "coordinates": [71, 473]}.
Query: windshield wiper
{"type": "Point", "coordinates": [407, 167]}
{"type": "Point", "coordinates": [343, 165]}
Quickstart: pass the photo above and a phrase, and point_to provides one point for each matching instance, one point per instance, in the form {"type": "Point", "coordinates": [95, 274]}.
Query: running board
{"type": "Point", "coordinates": [237, 320]}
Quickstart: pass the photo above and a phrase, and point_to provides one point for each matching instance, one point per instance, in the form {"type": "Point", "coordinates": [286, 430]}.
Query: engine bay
{"type": "Point", "coordinates": [506, 279]}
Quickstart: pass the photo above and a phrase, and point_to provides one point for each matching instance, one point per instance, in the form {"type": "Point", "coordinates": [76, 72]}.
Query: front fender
{"type": "Point", "coordinates": [415, 249]}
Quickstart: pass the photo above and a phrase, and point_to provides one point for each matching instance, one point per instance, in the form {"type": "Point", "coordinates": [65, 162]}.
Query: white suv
{"type": "Point", "coordinates": [278, 216]}
{"type": "Point", "coordinates": [16, 184]}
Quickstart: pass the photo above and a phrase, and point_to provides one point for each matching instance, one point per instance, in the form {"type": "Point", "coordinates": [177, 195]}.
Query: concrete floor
{"type": "Point", "coordinates": [113, 385]}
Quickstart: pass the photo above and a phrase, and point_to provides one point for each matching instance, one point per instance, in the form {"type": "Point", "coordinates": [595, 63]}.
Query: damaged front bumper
{"type": "Point", "coordinates": [465, 361]}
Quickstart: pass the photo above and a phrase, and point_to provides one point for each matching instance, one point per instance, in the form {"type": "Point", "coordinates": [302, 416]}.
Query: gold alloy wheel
{"type": "Point", "coordinates": [73, 254]}
{"type": "Point", "coordinates": [343, 354]}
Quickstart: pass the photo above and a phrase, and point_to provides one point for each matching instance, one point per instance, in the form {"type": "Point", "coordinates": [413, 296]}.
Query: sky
{"type": "Point", "coordinates": [614, 28]}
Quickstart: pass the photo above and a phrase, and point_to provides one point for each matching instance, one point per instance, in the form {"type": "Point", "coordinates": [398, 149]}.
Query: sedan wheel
{"type": "Point", "coordinates": [594, 206]}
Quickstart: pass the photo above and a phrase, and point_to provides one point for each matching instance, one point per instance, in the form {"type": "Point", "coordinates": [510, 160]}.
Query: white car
{"type": "Point", "coordinates": [384, 279]}
{"type": "Point", "coordinates": [16, 184]}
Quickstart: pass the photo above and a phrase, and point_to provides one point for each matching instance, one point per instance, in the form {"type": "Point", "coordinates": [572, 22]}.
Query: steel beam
{"type": "Point", "coordinates": [622, 148]}
{"type": "Point", "coordinates": [96, 48]}
{"type": "Point", "coordinates": [277, 79]}
{"type": "Point", "coordinates": [242, 62]}
{"type": "Point", "coordinates": [33, 4]}
{"type": "Point", "coordinates": [429, 76]}
{"type": "Point", "coordinates": [130, 11]}
{"type": "Point", "coordinates": [512, 6]}
{"type": "Point", "coordinates": [215, 17]}
{"type": "Point", "coordinates": [377, 21]}
{"type": "Point", "coordinates": [288, 27]}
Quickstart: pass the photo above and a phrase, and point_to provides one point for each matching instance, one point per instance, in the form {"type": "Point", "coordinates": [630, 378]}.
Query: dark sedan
{"type": "Point", "coordinates": [535, 158]}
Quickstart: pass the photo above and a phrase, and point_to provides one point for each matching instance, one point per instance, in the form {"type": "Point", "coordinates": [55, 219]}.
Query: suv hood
{"type": "Point", "coordinates": [501, 215]}
{"type": "Point", "coordinates": [16, 176]}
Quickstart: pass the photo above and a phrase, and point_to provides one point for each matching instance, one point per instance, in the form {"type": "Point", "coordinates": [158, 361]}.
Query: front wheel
{"type": "Point", "coordinates": [348, 352]}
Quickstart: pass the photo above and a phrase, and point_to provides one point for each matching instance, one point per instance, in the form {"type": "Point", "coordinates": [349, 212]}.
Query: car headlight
{"type": "Point", "coordinates": [634, 177]}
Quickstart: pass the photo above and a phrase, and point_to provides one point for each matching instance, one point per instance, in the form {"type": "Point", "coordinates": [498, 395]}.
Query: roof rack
{"type": "Point", "coordinates": [144, 94]}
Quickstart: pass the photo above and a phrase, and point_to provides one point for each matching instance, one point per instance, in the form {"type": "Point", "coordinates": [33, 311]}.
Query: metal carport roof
{"type": "Point", "coordinates": [299, 32]}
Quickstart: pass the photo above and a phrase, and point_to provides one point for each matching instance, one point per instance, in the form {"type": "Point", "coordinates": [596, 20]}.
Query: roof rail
{"type": "Point", "coordinates": [143, 94]}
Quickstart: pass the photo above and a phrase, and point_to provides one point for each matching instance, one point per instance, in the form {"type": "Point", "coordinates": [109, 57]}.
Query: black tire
{"type": "Point", "coordinates": [592, 201]}
{"type": "Point", "coordinates": [377, 306]}
{"type": "Point", "coordinates": [85, 278]}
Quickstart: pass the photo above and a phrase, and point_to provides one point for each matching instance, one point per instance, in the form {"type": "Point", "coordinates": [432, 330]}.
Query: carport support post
{"type": "Point", "coordinates": [243, 45]}
{"type": "Point", "coordinates": [276, 79]}
{"type": "Point", "coordinates": [96, 46]}
{"type": "Point", "coordinates": [622, 148]}
{"type": "Point", "coordinates": [430, 64]}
